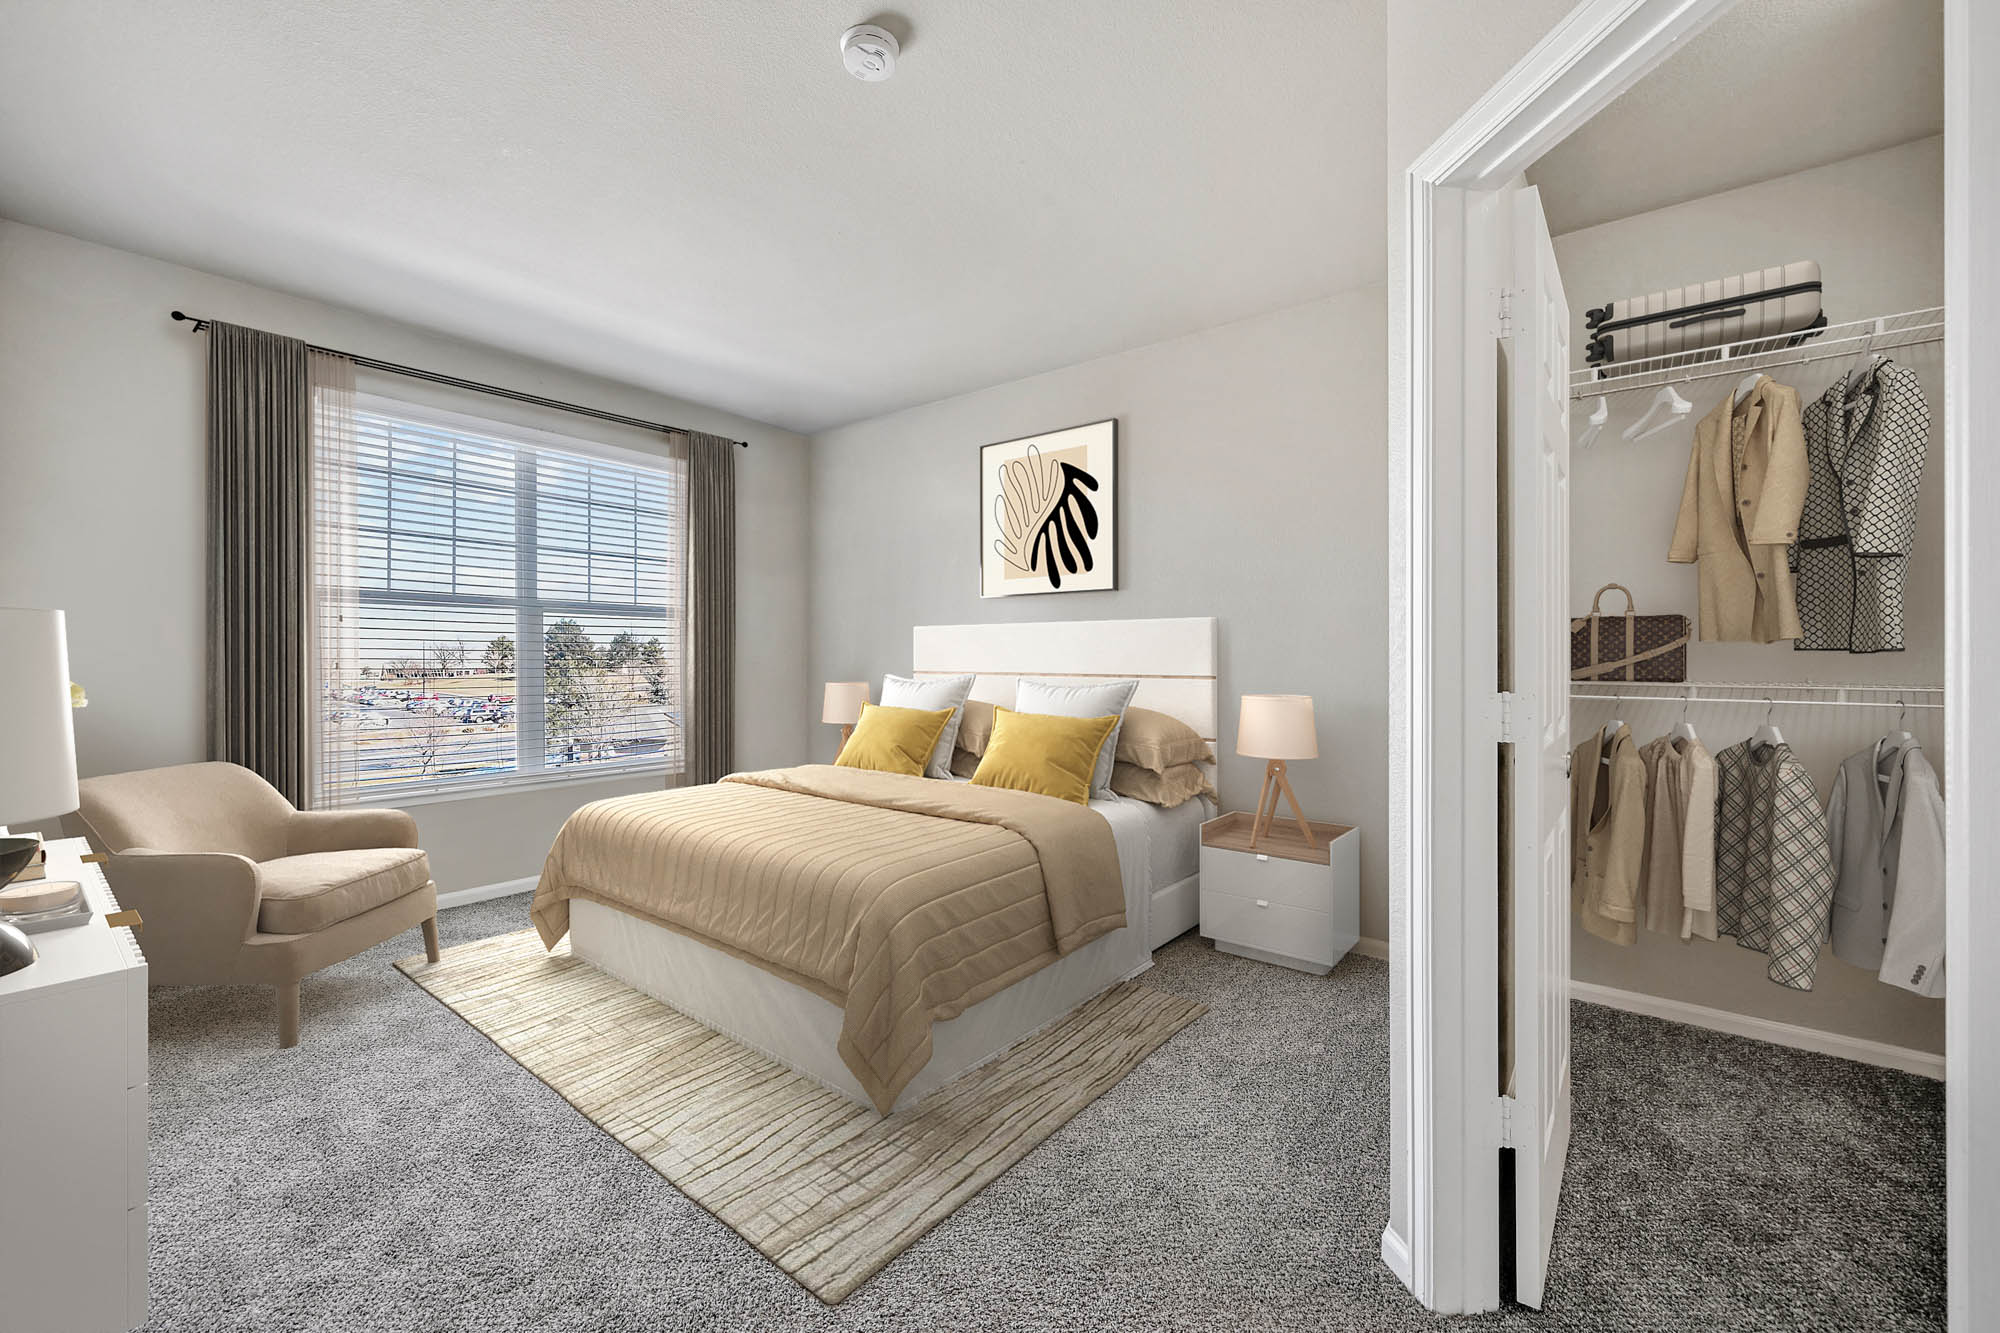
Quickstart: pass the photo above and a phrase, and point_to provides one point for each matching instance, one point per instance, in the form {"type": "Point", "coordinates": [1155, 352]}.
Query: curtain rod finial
{"type": "Point", "coordinates": [179, 315]}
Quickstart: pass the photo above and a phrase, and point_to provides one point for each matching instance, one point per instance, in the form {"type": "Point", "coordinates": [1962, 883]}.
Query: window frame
{"type": "Point", "coordinates": [532, 612]}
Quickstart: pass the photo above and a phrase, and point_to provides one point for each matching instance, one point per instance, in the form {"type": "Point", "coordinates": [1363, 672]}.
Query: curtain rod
{"type": "Point", "coordinates": [433, 377]}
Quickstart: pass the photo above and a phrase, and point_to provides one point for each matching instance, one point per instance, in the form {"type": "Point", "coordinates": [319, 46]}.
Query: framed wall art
{"type": "Point", "coordinates": [1048, 512]}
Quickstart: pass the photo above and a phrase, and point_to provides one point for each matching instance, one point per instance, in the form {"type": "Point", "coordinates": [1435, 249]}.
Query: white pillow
{"type": "Point", "coordinates": [933, 693]}
{"type": "Point", "coordinates": [1100, 698]}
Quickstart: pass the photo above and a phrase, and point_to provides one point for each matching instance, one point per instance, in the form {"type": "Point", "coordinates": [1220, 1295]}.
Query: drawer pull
{"type": "Point", "coordinates": [1262, 857]}
{"type": "Point", "coordinates": [125, 918]}
{"type": "Point", "coordinates": [1263, 902]}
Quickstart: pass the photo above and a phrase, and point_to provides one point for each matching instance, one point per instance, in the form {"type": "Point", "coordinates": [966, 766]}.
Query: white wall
{"type": "Point", "coordinates": [1875, 223]}
{"type": "Point", "coordinates": [1250, 466]}
{"type": "Point", "coordinates": [102, 401]}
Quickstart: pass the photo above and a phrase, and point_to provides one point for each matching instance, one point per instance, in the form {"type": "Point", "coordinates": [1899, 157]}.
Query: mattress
{"type": "Point", "coordinates": [802, 1030]}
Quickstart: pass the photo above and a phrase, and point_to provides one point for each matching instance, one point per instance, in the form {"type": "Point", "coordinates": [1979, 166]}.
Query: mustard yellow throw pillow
{"type": "Point", "coordinates": [1043, 753]}
{"type": "Point", "coordinates": [894, 740]}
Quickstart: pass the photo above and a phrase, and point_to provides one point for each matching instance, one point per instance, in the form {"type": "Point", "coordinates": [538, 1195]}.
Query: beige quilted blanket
{"type": "Point", "coordinates": [904, 900]}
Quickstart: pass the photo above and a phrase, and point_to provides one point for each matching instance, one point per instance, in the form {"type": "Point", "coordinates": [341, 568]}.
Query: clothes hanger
{"type": "Point", "coordinates": [1901, 736]}
{"type": "Point", "coordinates": [1684, 729]}
{"type": "Point", "coordinates": [1668, 409]}
{"type": "Point", "coordinates": [1768, 734]}
{"type": "Point", "coordinates": [1858, 367]}
{"type": "Point", "coordinates": [1593, 425]}
{"type": "Point", "coordinates": [1746, 385]}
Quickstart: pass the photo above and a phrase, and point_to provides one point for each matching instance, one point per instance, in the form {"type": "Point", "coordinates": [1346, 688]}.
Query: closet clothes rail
{"type": "Point", "coordinates": [1883, 333]}
{"type": "Point", "coordinates": [1781, 694]}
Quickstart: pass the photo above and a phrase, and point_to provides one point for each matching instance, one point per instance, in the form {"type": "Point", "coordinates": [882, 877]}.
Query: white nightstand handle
{"type": "Point", "coordinates": [1262, 857]}
{"type": "Point", "coordinates": [1263, 902]}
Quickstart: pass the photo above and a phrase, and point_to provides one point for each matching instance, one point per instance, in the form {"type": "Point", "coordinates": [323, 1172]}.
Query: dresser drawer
{"type": "Point", "coordinates": [1269, 926]}
{"type": "Point", "coordinates": [1305, 884]}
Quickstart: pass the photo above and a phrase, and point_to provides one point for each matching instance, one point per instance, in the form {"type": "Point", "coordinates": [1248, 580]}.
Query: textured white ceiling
{"type": "Point", "coordinates": [693, 196]}
{"type": "Point", "coordinates": [1771, 87]}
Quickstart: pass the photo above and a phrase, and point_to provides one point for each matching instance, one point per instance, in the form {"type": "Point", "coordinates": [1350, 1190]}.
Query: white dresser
{"type": "Point", "coordinates": [1280, 900]}
{"type": "Point", "coordinates": [73, 1123]}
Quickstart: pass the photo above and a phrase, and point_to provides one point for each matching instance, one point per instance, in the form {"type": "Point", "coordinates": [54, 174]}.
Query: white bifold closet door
{"type": "Point", "coordinates": [1536, 639]}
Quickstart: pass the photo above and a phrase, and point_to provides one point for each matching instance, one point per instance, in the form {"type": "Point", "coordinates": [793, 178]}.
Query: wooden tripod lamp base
{"type": "Point", "coordinates": [1274, 783]}
{"type": "Point", "coordinates": [1277, 727]}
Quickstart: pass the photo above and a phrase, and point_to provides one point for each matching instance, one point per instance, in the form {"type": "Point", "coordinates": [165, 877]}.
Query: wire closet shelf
{"type": "Point", "coordinates": [1782, 694]}
{"type": "Point", "coordinates": [1911, 328]}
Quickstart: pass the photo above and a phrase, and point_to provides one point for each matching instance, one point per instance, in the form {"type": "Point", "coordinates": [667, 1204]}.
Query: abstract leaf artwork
{"type": "Point", "coordinates": [1049, 507]}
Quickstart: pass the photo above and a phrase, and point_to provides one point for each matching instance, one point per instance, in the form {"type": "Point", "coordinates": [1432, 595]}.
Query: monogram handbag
{"type": "Point", "coordinates": [1628, 647]}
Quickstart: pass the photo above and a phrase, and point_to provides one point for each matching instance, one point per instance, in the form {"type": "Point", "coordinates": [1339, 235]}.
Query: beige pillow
{"type": "Point", "coordinates": [1158, 742]}
{"type": "Point", "coordinates": [975, 728]}
{"type": "Point", "coordinates": [1176, 786]}
{"type": "Point", "coordinates": [964, 763]}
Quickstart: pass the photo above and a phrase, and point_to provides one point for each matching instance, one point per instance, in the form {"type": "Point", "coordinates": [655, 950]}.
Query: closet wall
{"type": "Point", "coordinates": [1875, 224]}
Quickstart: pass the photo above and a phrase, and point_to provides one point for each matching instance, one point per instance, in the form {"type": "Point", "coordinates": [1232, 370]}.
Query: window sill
{"type": "Point", "coordinates": [397, 798]}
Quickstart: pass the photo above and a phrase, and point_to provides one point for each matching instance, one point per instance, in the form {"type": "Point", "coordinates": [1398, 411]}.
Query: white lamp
{"type": "Point", "coordinates": [842, 706]}
{"type": "Point", "coordinates": [37, 741]}
{"type": "Point", "coordinates": [1277, 727]}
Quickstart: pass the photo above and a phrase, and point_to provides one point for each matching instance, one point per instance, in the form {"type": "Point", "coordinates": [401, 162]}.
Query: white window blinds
{"type": "Point", "coordinates": [495, 605]}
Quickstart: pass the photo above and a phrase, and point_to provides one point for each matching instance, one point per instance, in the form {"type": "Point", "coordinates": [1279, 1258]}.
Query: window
{"type": "Point", "coordinates": [495, 605]}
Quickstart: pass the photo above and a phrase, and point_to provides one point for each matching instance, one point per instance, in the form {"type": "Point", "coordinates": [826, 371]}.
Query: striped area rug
{"type": "Point", "coordinates": [827, 1190]}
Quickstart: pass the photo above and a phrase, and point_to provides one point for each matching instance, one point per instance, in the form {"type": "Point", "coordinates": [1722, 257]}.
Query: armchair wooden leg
{"type": "Point", "coordinates": [288, 1014]}
{"type": "Point", "coordinates": [431, 938]}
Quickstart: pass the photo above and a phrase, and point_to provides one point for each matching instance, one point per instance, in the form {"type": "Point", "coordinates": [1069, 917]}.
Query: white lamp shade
{"type": "Point", "coordinates": [37, 742]}
{"type": "Point", "coordinates": [1277, 726]}
{"type": "Point", "coordinates": [843, 702]}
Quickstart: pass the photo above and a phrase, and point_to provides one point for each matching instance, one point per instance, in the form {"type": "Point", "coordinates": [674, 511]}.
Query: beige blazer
{"type": "Point", "coordinates": [1608, 834]}
{"type": "Point", "coordinates": [1737, 520]}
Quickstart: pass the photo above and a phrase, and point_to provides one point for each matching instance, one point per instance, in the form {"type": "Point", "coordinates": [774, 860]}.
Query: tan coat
{"type": "Point", "coordinates": [1608, 834]}
{"type": "Point", "coordinates": [1737, 521]}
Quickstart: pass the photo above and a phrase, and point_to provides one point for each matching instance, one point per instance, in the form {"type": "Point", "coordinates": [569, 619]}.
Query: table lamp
{"type": "Point", "coordinates": [842, 706]}
{"type": "Point", "coordinates": [1277, 727]}
{"type": "Point", "coordinates": [37, 741]}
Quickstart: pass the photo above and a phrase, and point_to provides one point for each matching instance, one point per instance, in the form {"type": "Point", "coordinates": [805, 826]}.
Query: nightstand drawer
{"type": "Point", "coordinates": [1269, 926]}
{"type": "Point", "coordinates": [1306, 884]}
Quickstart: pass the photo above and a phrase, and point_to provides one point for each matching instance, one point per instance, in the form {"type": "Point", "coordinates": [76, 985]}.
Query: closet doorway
{"type": "Point", "coordinates": [1816, 672]}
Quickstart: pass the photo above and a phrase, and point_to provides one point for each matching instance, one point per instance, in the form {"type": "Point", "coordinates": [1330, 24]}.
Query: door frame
{"type": "Point", "coordinates": [1444, 972]}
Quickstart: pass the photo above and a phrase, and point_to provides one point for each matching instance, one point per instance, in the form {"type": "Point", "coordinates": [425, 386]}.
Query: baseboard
{"type": "Point", "coordinates": [1371, 948]}
{"type": "Point", "coordinates": [1396, 1255]}
{"type": "Point", "coordinates": [479, 893]}
{"type": "Point", "coordinates": [1905, 1058]}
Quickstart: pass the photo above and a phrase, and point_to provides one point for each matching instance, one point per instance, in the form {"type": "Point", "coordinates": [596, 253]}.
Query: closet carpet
{"type": "Point", "coordinates": [396, 1171]}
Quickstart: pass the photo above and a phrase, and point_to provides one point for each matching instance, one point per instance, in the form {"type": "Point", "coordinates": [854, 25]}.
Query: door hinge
{"type": "Point", "coordinates": [1510, 715]}
{"type": "Point", "coordinates": [1503, 315]}
{"type": "Point", "coordinates": [1506, 1115]}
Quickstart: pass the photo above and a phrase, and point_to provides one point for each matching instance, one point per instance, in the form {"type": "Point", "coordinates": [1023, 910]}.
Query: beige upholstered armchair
{"type": "Point", "coordinates": [235, 886]}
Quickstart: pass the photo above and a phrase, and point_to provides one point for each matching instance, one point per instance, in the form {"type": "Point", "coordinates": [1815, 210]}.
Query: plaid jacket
{"type": "Point", "coordinates": [1773, 862]}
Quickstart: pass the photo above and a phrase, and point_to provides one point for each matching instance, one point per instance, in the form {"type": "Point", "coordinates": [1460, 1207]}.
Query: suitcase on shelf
{"type": "Point", "coordinates": [1781, 303]}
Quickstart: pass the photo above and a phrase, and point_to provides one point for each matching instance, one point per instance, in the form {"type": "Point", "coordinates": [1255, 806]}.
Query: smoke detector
{"type": "Point", "coordinates": [869, 52]}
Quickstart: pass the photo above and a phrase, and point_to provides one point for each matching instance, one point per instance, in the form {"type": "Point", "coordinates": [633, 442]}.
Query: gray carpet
{"type": "Point", "coordinates": [397, 1172]}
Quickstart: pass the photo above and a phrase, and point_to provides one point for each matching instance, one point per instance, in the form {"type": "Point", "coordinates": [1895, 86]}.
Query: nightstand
{"type": "Point", "coordinates": [1282, 901]}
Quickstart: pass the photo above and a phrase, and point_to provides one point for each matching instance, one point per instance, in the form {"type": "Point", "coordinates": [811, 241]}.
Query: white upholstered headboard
{"type": "Point", "coordinates": [1173, 660]}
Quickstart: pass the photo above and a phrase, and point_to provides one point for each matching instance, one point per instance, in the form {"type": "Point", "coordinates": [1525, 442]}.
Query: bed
{"type": "Point", "coordinates": [780, 1004]}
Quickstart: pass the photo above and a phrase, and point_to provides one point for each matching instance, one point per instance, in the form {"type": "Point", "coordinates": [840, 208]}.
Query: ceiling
{"type": "Point", "coordinates": [695, 197]}
{"type": "Point", "coordinates": [1771, 87]}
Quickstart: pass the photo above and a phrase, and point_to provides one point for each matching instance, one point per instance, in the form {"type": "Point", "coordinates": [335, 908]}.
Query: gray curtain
{"type": "Point", "coordinates": [711, 602]}
{"type": "Point", "coordinates": [259, 536]}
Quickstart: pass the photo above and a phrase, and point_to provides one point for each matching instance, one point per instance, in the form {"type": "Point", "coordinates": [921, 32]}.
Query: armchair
{"type": "Point", "coordinates": [236, 886]}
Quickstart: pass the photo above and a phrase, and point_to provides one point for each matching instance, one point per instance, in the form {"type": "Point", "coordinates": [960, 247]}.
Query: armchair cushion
{"type": "Point", "coordinates": [310, 892]}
